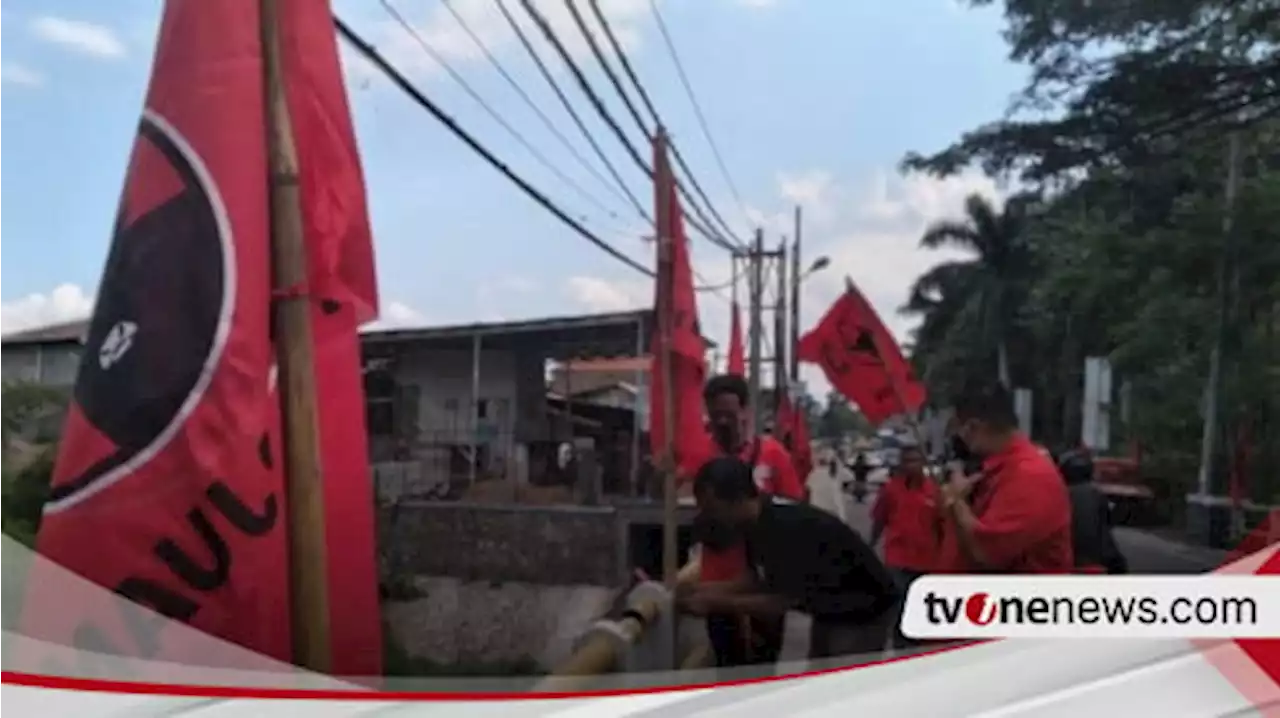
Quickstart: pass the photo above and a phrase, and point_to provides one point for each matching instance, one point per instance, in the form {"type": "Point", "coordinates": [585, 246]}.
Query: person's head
{"type": "Point", "coordinates": [1076, 467]}
{"type": "Point", "coordinates": [726, 492]}
{"type": "Point", "coordinates": [911, 462]}
{"type": "Point", "coordinates": [985, 419]}
{"type": "Point", "coordinates": [726, 399]}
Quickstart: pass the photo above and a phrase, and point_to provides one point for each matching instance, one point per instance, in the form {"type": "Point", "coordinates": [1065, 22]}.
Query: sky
{"type": "Point", "coordinates": [810, 102]}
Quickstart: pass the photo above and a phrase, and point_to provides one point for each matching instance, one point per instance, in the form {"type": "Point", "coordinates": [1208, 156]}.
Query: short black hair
{"type": "Point", "coordinates": [726, 384]}
{"type": "Point", "coordinates": [726, 478]}
{"type": "Point", "coordinates": [988, 402]}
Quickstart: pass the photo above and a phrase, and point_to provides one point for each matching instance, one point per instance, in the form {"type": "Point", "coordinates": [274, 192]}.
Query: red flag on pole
{"type": "Point", "coordinates": [862, 361]}
{"type": "Point", "coordinates": [675, 305]}
{"type": "Point", "coordinates": [168, 487]}
{"type": "Point", "coordinates": [737, 354]}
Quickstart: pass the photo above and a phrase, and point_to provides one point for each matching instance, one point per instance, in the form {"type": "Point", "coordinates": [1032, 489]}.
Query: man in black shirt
{"type": "Point", "coordinates": [804, 559]}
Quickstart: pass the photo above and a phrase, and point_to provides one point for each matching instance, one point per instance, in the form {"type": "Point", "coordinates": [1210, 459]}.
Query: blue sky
{"type": "Point", "coordinates": [810, 101]}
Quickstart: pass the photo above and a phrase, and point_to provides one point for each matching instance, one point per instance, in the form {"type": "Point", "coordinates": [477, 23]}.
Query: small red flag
{"type": "Point", "coordinates": [675, 305]}
{"type": "Point", "coordinates": [794, 426]}
{"type": "Point", "coordinates": [862, 361]}
{"type": "Point", "coordinates": [737, 355]}
{"type": "Point", "coordinates": [168, 488]}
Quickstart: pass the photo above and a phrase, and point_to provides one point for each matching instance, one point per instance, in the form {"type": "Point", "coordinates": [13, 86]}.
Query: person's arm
{"type": "Point", "coordinates": [880, 513]}
{"type": "Point", "coordinates": [1021, 514]}
{"type": "Point", "coordinates": [1112, 558]}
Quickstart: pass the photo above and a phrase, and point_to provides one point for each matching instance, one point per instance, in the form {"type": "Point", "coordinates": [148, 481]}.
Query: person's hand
{"type": "Point", "coordinates": [957, 489]}
{"type": "Point", "coordinates": [696, 602]}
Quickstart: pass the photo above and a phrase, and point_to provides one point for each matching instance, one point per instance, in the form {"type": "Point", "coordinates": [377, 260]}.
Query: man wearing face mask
{"type": "Point", "coordinates": [735, 639]}
{"type": "Point", "coordinates": [1014, 515]}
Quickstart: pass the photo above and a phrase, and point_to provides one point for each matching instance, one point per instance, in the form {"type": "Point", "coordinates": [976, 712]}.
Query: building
{"type": "Point", "coordinates": [48, 355]}
{"type": "Point", "coordinates": [463, 405]}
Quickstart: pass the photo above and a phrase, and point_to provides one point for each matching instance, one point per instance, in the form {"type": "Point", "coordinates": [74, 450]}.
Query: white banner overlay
{"type": "Point", "coordinates": [1093, 607]}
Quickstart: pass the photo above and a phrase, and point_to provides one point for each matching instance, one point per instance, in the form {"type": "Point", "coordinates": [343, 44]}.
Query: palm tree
{"type": "Point", "coordinates": [979, 296]}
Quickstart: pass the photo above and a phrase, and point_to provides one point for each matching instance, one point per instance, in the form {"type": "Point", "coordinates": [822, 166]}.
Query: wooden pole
{"type": "Point", "coordinates": [754, 363]}
{"type": "Point", "coordinates": [795, 303]}
{"type": "Point", "coordinates": [670, 506]}
{"type": "Point", "coordinates": [781, 392]}
{"type": "Point", "coordinates": [297, 386]}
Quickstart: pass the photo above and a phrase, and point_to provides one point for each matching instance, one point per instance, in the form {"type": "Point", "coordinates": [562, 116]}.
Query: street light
{"type": "Point", "coordinates": [818, 265]}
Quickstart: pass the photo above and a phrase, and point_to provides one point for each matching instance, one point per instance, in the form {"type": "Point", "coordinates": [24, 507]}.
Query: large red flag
{"type": "Point", "coordinates": [168, 487]}
{"type": "Point", "coordinates": [862, 361]}
{"type": "Point", "coordinates": [737, 354]}
{"type": "Point", "coordinates": [675, 304]}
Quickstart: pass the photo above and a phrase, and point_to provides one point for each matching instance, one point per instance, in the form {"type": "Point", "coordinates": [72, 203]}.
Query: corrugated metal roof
{"type": "Point", "coordinates": [51, 334]}
{"type": "Point", "coordinates": [551, 324]}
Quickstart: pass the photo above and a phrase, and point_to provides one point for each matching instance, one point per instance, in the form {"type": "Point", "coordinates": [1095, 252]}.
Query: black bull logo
{"type": "Point", "coordinates": [152, 345]}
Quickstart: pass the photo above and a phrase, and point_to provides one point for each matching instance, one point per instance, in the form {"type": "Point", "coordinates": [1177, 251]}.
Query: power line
{"type": "Point", "coordinates": [546, 121]}
{"type": "Point", "coordinates": [439, 59]}
{"type": "Point", "coordinates": [397, 78]}
{"type": "Point", "coordinates": [608, 69]}
{"type": "Point", "coordinates": [568, 106]}
{"type": "Point", "coordinates": [697, 108]}
{"type": "Point", "coordinates": [603, 111]}
{"type": "Point", "coordinates": [653, 112]}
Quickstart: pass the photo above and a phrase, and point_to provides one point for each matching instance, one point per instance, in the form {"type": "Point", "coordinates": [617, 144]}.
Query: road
{"type": "Point", "coordinates": [1147, 553]}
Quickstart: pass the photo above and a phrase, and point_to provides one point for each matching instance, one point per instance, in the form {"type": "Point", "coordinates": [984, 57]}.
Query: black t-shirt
{"type": "Point", "coordinates": [820, 564]}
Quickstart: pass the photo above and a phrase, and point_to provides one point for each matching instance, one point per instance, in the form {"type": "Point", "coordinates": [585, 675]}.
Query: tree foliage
{"type": "Point", "coordinates": [1129, 247]}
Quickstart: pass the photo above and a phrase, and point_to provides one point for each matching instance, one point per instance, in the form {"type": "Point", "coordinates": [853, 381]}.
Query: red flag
{"type": "Point", "coordinates": [737, 355]}
{"type": "Point", "coordinates": [793, 426]}
{"type": "Point", "coordinates": [343, 282]}
{"type": "Point", "coordinates": [675, 305]}
{"type": "Point", "coordinates": [862, 361]}
{"type": "Point", "coordinates": [168, 487]}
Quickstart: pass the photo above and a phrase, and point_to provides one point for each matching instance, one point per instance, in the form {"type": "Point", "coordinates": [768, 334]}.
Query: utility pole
{"type": "Point", "coordinates": [780, 351]}
{"type": "Point", "coordinates": [1209, 449]}
{"type": "Point", "coordinates": [795, 303]}
{"type": "Point", "coordinates": [756, 283]}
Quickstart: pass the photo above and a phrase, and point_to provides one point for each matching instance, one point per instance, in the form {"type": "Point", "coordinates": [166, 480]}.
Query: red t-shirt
{"type": "Point", "coordinates": [1023, 517]}
{"type": "Point", "coordinates": [775, 474]}
{"type": "Point", "coordinates": [910, 519]}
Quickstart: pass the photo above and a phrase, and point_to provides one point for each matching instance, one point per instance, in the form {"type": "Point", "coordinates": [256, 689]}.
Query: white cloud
{"type": "Point", "coordinates": [12, 73]}
{"type": "Point", "coordinates": [396, 315]}
{"type": "Point", "coordinates": [445, 35]}
{"type": "Point", "coordinates": [78, 36]}
{"type": "Point", "coordinates": [67, 302]}
{"type": "Point", "coordinates": [869, 229]}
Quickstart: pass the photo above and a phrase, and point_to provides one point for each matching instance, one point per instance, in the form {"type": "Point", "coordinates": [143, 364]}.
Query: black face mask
{"type": "Point", "coordinates": [714, 534]}
{"type": "Point", "coordinates": [726, 435]}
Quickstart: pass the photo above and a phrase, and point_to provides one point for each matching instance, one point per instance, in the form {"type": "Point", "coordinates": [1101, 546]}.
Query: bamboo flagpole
{"type": "Point", "coordinates": [304, 489]}
{"type": "Point", "coordinates": [670, 505]}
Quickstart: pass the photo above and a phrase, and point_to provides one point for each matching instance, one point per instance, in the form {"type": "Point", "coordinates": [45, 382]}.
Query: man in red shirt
{"type": "Point", "coordinates": [1012, 517]}
{"type": "Point", "coordinates": [906, 514]}
{"type": "Point", "coordinates": [735, 640]}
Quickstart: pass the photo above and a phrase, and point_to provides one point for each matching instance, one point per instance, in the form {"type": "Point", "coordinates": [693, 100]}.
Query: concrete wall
{"type": "Point", "coordinates": [548, 545]}
{"type": "Point", "coordinates": [54, 365]}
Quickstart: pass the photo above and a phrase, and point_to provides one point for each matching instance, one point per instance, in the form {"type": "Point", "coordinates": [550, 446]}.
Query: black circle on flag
{"type": "Point", "coordinates": [162, 311]}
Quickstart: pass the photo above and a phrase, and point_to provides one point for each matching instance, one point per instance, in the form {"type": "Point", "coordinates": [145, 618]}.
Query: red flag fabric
{"type": "Point", "coordinates": [737, 353]}
{"type": "Point", "coordinates": [168, 487]}
{"type": "Point", "coordinates": [675, 302]}
{"type": "Point", "coordinates": [343, 283]}
{"type": "Point", "coordinates": [793, 427]}
{"type": "Point", "coordinates": [862, 361]}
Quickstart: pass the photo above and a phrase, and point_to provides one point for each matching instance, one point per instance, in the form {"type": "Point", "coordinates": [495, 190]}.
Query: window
{"type": "Point", "coordinates": [482, 409]}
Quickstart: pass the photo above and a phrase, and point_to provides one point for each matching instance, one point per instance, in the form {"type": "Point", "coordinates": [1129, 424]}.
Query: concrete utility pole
{"type": "Point", "coordinates": [780, 350]}
{"type": "Point", "coordinates": [1208, 517]}
{"type": "Point", "coordinates": [756, 331]}
{"type": "Point", "coordinates": [795, 303]}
